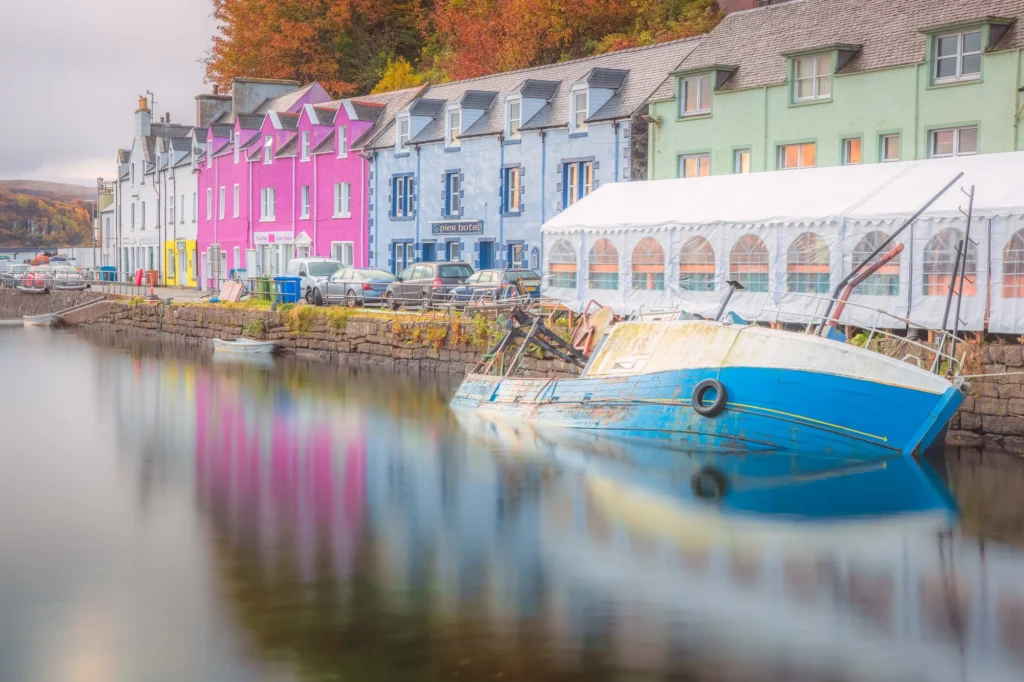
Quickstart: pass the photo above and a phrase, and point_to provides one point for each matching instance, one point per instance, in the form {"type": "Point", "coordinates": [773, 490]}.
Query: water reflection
{"type": "Point", "coordinates": [356, 529]}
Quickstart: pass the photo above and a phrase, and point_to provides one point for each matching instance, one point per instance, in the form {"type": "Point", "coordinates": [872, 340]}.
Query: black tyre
{"type": "Point", "coordinates": [309, 295]}
{"type": "Point", "coordinates": [318, 299]}
{"type": "Point", "coordinates": [390, 301]}
{"type": "Point", "coordinates": [709, 484]}
{"type": "Point", "coordinates": [350, 300]}
{"type": "Point", "coordinates": [713, 389]}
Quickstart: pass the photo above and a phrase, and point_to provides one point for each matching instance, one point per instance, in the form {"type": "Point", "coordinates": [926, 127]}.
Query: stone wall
{"type": "Point", "coordinates": [410, 343]}
{"type": "Point", "coordinates": [14, 303]}
{"type": "Point", "coordinates": [993, 412]}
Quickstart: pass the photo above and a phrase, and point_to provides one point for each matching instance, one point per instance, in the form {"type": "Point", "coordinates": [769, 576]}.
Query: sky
{"type": "Point", "coordinates": [71, 72]}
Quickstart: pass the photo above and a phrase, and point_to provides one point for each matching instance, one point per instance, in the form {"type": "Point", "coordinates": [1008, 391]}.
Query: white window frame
{"type": "Point", "coordinates": [452, 132]}
{"type": "Point", "coordinates": [453, 199]}
{"type": "Point", "coordinates": [338, 252]}
{"type": "Point", "coordinates": [932, 135]}
{"type": "Point", "coordinates": [268, 208]}
{"type": "Point", "coordinates": [195, 207]}
{"type": "Point", "coordinates": [238, 257]}
{"type": "Point", "coordinates": [512, 204]}
{"type": "Point", "coordinates": [881, 147]}
{"type": "Point", "coordinates": [402, 208]}
{"type": "Point", "coordinates": [737, 160]}
{"type": "Point", "coordinates": [847, 143]}
{"type": "Point", "coordinates": [342, 200]}
{"type": "Point", "coordinates": [181, 209]}
{"type": "Point", "coordinates": [815, 77]}
{"type": "Point", "coordinates": [170, 209]}
{"type": "Point", "coordinates": [574, 126]}
{"type": "Point", "coordinates": [683, 158]}
{"type": "Point", "coordinates": [800, 156]}
{"type": "Point", "coordinates": [222, 197]}
{"type": "Point", "coordinates": [516, 132]}
{"type": "Point", "coordinates": [236, 200]}
{"type": "Point", "coordinates": [238, 145]}
{"type": "Point", "coordinates": [209, 203]}
{"type": "Point", "coordinates": [268, 149]}
{"type": "Point", "coordinates": [703, 108]}
{"type": "Point", "coordinates": [402, 138]}
{"type": "Point", "coordinates": [958, 56]}
{"type": "Point", "coordinates": [304, 202]}
{"type": "Point", "coordinates": [341, 142]}
{"type": "Point", "coordinates": [304, 145]}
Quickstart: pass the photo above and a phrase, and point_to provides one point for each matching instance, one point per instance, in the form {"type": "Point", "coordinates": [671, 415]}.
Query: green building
{"type": "Point", "coordinates": [828, 82]}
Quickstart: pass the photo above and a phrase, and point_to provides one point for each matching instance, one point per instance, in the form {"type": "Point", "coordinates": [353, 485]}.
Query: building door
{"type": "Point", "coordinates": [204, 268]}
{"type": "Point", "coordinates": [429, 253]}
{"type": "Point", "coordinates": [182, 269]}
{"type": "Point", "coordinates": [486, 255]}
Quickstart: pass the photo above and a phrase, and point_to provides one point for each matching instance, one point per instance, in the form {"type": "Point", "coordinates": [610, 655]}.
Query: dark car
{"type": "Point", "coordinates": [491, 285]}
{"type": "Point", "coordinates": [423, 283]}
{"type": "Point", "coordinates": [353, 286]}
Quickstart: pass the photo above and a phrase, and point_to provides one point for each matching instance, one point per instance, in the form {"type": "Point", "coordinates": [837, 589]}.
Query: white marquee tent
{"type": "Point", "coordinates": [676, 242]}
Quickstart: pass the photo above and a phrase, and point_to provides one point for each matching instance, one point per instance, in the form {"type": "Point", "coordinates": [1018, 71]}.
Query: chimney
{"type": "Point", "coordinates": [167, 117]}
{"type": "Point", "coordinates": [216, 89]}
{"type": "Point", "coordinates": [730, 6]}
{"type": "Point", "coordinates": [143, 118]}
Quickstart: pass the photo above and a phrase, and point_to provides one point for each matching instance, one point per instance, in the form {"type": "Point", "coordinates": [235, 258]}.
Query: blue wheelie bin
{"type": "Point", "coordinates": [288, 289]}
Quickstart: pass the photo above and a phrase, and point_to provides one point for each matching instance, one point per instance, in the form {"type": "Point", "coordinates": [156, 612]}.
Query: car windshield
{"type": "Point", "coordinates": [516, 275]}
{"type": "Point", "coordinates": [65, 270]}
{"type": "Point", "coordinates": [376, 274]}
{"type": "Point", "coordinates": [456, 271]}
{"type": "Point", "coordinates": [323, 268]}
{"type": "Point", "coordinates": [20, 268]}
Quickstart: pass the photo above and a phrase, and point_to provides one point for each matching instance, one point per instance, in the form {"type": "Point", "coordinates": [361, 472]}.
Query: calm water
{"type": "Point", "coordinates": [165, 517]}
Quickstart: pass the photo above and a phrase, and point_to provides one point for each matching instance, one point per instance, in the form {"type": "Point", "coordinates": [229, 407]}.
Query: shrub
{"type": "Point", "coordinates": [254, 327]}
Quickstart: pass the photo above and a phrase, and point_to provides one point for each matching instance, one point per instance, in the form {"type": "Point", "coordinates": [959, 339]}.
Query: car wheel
{"type": "Point", "coordinates": [427, 300]}
{"type": "Point", "coordinates": [318, 299]}
{"type": "Point", "coordinates": [309, 295]}
{"type": "Point", "coordinates": [351, 300]}
{"type": "Point", "coordinates": [390, 302]}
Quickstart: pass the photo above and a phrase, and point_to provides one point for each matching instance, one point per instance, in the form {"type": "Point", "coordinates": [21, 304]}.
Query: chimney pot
{"type": "Point", "coordinates": [143, 103]}
{"type": "Point", "coordinates": [167, 117]}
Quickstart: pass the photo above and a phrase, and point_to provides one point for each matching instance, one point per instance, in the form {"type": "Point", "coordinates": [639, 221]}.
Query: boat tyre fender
{"type": "Point", "coordinates": [708, 484]}
{"type": "Point", "coordinates": [715, 407]}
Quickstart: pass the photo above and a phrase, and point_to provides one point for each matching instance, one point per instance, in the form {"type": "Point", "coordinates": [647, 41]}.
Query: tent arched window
{"type": "Point", "coordinates": [1013, 267]}
{"type": "Point", "coordinates": [648, 265]}
{"type": "Point", "coordinates": [807, 265]}
{"type": "Point", "coordinates": [697, 265]}
{"type": "Point", "coordinates": [939, 256]}
{"type": "Point", "coordinates": [886, 281]}
{"type": "Point", "coordinates": [562, 266]}
{"type": "Point", "coordinates": [603, 266]}
{"type": "Point", "coordinates": [748, 263]}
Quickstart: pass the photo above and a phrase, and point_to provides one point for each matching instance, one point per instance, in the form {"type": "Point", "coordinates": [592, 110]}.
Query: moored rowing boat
{"type": "Point", "coordinates": [41, 320]}
{"type": "Point", "coordinates": [245, 346]}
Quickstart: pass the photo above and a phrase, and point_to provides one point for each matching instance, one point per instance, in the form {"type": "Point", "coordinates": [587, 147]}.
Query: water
{"type": "Point", "coordinates": [165, 517]}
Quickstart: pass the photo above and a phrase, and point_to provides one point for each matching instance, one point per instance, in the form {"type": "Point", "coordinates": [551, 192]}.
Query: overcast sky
{"type": "Point", "coordinates": [71, 72]}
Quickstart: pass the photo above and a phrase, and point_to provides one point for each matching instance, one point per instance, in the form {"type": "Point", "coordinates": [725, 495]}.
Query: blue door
{"type": "Point", "coordinates": [429, 253]}
{"type": "Point", "coordinates": [486, 255]}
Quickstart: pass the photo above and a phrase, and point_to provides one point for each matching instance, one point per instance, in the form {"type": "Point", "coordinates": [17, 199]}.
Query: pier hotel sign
{"type": "Point", "coordinates": [446, 227]}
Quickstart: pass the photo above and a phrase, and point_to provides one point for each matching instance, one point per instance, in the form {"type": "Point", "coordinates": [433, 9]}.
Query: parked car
{"type": "Point", "coordinates": [353, 286]}
{"type": "Point", "coordinates": [38, 277]}
{"type": "Point", "coordinates": [489, 285]}
{"type": "Point", "coordinates": [312, 270]}
{"type": "Point", "coordinates": [422, 283]}
{"type": "Point", "coordinates": [68, 277]}
{"type": "Point", "coordinates": [13, 274]}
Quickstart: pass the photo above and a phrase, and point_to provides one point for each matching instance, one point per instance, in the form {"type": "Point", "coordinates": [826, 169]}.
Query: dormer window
{"type": "Point", "coordinates": [238, 146]}
{"type": "Point", "coordinates": [578, 106]}
{"type": "Point", "coordinates": [305, 146]}
{"type": "Point", "coordinates": [268, 149]}
{"type": "Point", "coordinates": [695, 96]}
{"type": "Point", "coordinates": [453, 127]}
{"type": "Point", "coordinates": [812, 77]}
{"type": "Point", "coordinates": [958, 57]}
{"type": "Point", "coordinates": [513, 118]}
{"type": "Point", "coordinates": [341, 141]}
{"type": "Point", "coordinates": [402, 135]}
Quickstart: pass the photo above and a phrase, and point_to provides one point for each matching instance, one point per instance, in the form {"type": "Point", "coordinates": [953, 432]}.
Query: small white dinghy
{"type": "Point", "coordinates": [245, 346]}
{"type": "Point", "coordinates": [41, 320]}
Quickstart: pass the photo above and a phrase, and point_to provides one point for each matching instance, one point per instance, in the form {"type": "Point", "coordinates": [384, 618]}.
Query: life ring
{"type": "Point", "coordinates": [709, 484]}
{"type": "Point", "coordinates": [717, 405]}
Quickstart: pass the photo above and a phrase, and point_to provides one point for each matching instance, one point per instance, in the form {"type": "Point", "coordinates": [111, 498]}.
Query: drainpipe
{"type": "Point", "coordinates": [363, 228]}
{"type": "Point", "coordinates": [543, 184]}
{"type": "Point", "coordinates": [764, 96]}
{"type": "Point", "coordinates": [501, 201]}
{"type": "Point", "coordinates": [376, 211]}
{"type": "Point", "coordinates": [316, 213]}
{"type": "Point", "coordinates": [615, 150]}
{"type": "Point", "coordinates": [295, 161]}
{"type": "Point", "coordinates": [418, 193]}
{"type": "Point", "coordinates": [250, 238]}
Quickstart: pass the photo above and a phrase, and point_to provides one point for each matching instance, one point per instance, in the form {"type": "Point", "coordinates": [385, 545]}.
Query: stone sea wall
{"type": "Point", "coordinates": [992, 415]}
{"type": "Point", "coordinates": [411, 342]}
{"type": "Point", "coordinates": [14, 303]}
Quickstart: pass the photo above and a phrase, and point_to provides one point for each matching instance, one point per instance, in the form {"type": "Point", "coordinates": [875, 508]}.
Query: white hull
{"type": "Point", "coordinates": [244, 346]}
{"type": "Point", "coordinates": [31, 290]}
{"type": "Point", "coordinates": [40, 320]}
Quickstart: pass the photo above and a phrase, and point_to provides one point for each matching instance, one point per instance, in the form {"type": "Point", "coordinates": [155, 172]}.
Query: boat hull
{"type": "Point", "coordinates": [40, 320]}
{"type": "Point", "coordinates": [244, 347]}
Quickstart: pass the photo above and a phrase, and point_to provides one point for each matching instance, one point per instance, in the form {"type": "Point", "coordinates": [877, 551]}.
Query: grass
{"type": "Point", "coordinates": [254, 327]}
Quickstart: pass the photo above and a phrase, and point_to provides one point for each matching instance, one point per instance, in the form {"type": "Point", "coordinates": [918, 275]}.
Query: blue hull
{"type": "Point", "coordinates": [767, 409]}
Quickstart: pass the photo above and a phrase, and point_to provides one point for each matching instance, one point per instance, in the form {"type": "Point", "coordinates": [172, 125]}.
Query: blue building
{"type": "Point", "coordinates": [470, 170]}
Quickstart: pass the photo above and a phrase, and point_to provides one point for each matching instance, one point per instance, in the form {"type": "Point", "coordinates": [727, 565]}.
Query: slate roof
{"type": "Point", "coordinates": [199, 133]}
{"type": "Point", "coordinates": [888, 33]}
{"type": "Point", "coordinates": [326, 145]}
{"type": "Point", "coordinates": [250, 121]}
{"type": "Point", "coordinates": [367, 111]}
{"type": "Point", "coordinates": [123, 155]}
{"type": "Point", "coordinates": [325, 116]}
{"type": "Point", "coordinates": [169, 130]}
{"type": "Point", "coordinates": [184, 161]}
{"type": "Point", "coordinates": [289, 149]}
{"type": "Point", "coordinates": [289, 121]}
{"type": "Point", "coordinates": [423, 106]}
{"type": "Point", "coordinates": [647, 68]}
{"type": "Point", "coordinates": [222, 130]}
{"type": "Point", "coordinates": [478, 99]}
{"type": "Point", "coordinates": [283, 102]}
{"type": "Point", "coordinates": [392, 102]}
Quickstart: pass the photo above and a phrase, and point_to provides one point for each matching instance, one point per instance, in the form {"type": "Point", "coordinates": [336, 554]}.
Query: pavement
{"type": "Point", "coordinates": [177, 293]}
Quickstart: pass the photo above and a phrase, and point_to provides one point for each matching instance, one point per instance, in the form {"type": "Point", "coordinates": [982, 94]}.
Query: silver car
{"type": "Point", "coordinates": [353, 286]}
{"type": "Point", "coordinates": [68, 277]}
{"type": "Point", "coordinates": [312, 271]}
{"type": "Point", "coordinates": [13, 274]}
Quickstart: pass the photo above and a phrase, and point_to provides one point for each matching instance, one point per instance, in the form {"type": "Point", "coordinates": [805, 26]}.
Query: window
{"type": "Point", "coordinates": [235, 202]}
{"type": "Point", "coordinates": [401, 196]}
{"type": "Point", "coordinates": [402, 137]}
{"type": "Point", "coordinates": [452, 194]}
{"type": "Point", "coordinates": [341, 141]}
{"type": "Point", "coordinates": [453, 128]}
{"type": "Point", "coordinates": [886, 281]}
{"type": "Point", "coordinates": [238, 146]}
{"type": "Point", "coordinates": [515, 256]}
{"type": "Point", "coordinates": [741, 161]}
{"type": "Point", "coordinates": [958, 57]}
{"type": "Point", "coordinates": [577, 181]}
{"type": "Point", "coordinates": [512, 188]}
{"type": "Point", "coordinates": [796, 156]}
{"type": "Point", "coordinates": [454, 251]}
{"type": "Point", "coordinates": [170, 209]}
{"type": "Point", "coordinates": [695, 96]}
{"type": "Point", "coordinates": [181, 209]}
{"type": "Point", "coordinates": [694, 165]}
{"type": "Point", "coordinates": [305, 146]}
{"type": "Point", "coordinates": [195, 207]}
{"type": "Point", "coordinates": [222, 197]}
{"type": "Point", "coordinates": [514, 116]}
{"type": "Point", "coordinates": [133, 216]}
{"type": "Point", "coordinates": [142, 214]}
{"type": "Point", "coordinates": [562, 266]}
{"type": "Point", "coordinates": [748, 263]}
{"type": "Point", "coordinates": [342, 197]}
{"type": "Point", "coordinates": [238, 257]}
{"type": "Point", "coordinates": [268, 149]}
{"type": "Point", "coordinates": [133, 172]}
{"type": "Point", "coordinates": [578, 104]}
{"type": "Point", "coordinates": [890, 147]}
{"type": "Point", "coordinates": [697, 265]}
{"type": "Point", "coordinates": [342, 252]}
{"type": "Point", "coordinates": [807, 265]}
{"type": "Point", "coordinates": [851, 151]}
{"type": "Point", "coordinates": [812, 78]}
{"type": "Point", "coordinates": [939, 256]}
{"type": "Point", "coordinates": [603, 266]}
{"type": "Point", "coordinates": [648, 266]}
{"type": "Point", "coordinates": [267, 204]}
{"type": "Point", "coordinates": [1013, 267]}
{"type": "Point", "coordinates": [304, 202]}
{"type": "Point", "coordinates": [954, 142]}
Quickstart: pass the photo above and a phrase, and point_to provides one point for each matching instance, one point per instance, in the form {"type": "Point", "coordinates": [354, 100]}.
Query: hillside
{"type": "Point", "coordinates": [38, 217]}
{"type": "Point", "coordinates": [56, 190]}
